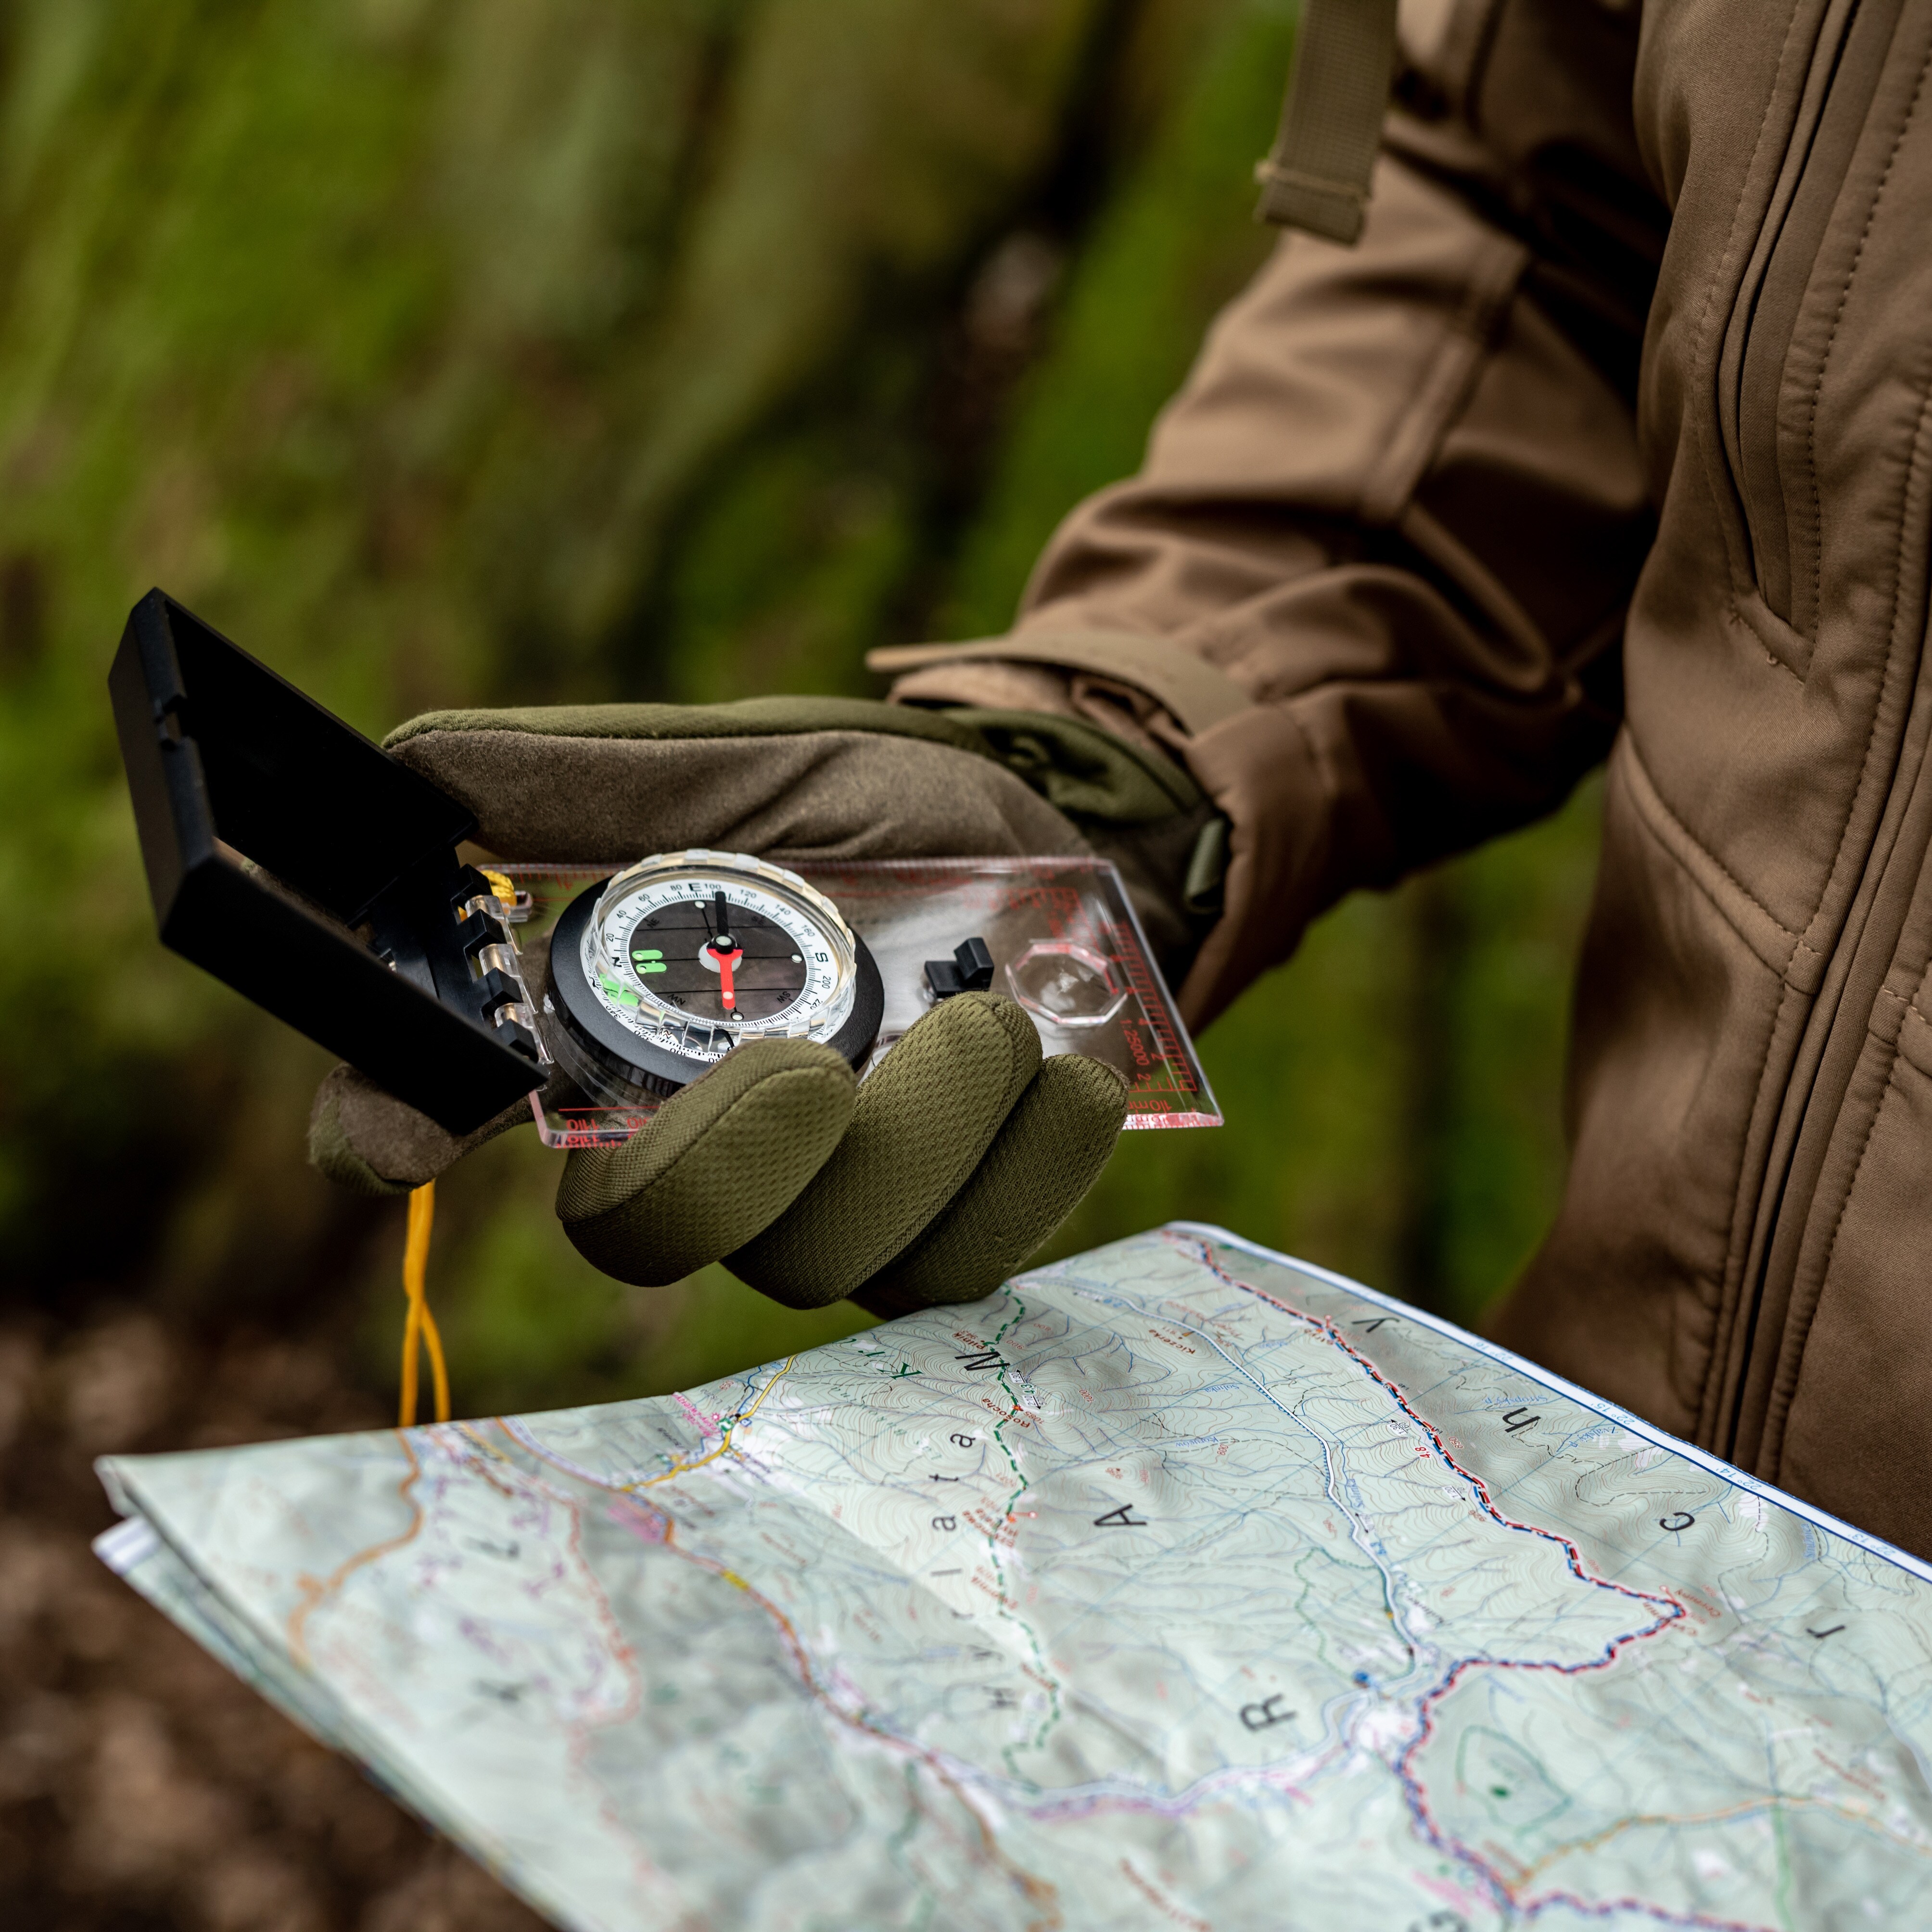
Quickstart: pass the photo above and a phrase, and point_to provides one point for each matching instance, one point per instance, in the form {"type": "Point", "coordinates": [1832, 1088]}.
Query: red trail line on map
{"type": "Point", "coordinates": [1042, 1897]}
{"type": "Point", "coordinates": [1440, 1839]}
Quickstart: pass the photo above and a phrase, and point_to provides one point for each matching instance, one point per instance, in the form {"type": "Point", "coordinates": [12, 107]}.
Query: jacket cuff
{"type": "Point", "coordinates": [1196, 693]}
{"type": "Point", "coordinates": [1261, 773]}
{"type": "Point", "coordinates": [1253, 761]}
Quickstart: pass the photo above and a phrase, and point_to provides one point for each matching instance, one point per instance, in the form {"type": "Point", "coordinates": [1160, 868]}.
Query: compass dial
{"type": "Point", "coordinates": [680, 958]}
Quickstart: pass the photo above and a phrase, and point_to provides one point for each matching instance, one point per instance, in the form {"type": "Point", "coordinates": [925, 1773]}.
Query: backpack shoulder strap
{"type": "Point", "coordinates": [1316, 175]}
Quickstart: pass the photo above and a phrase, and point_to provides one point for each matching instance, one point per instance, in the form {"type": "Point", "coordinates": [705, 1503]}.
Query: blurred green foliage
{"type": "Point", "coordinates": [458, 351]}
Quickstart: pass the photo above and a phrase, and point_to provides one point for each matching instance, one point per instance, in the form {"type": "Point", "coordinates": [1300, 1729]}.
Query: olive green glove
{"type": "Point", "coordinates": [962, 1151]}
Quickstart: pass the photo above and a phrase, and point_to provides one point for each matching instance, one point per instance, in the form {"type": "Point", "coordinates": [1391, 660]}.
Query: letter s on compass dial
{"type": "Point", "coordinates": [660, 972]}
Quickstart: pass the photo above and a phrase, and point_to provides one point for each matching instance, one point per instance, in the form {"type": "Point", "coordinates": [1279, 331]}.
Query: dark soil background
{"type": "Point", "coordinates": [140, 1785]}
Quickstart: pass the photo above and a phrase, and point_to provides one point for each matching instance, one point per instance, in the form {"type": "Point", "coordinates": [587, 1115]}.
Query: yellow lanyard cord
{"type": "Point", "coordinates": [420, 1329]}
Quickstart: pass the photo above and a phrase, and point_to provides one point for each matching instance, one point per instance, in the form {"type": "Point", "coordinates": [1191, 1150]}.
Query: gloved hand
{"type": "Point", "coordinates": [962, 1151]}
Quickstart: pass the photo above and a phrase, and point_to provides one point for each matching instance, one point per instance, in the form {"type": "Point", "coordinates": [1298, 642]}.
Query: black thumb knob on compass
{"type": "Point", "coordinates": [969, 970]}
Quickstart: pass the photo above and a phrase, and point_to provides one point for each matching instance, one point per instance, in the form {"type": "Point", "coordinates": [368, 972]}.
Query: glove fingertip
{"type": "Point", "coordinates": [923, 1120]}
{"type": "Point", "coordinates": [720, 1163]}
{"type": "Point", "coordinates": [1046, 1157]}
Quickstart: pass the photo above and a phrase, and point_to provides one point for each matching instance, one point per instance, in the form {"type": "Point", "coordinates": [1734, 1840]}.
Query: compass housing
{"type": "Point", "coordinates": [635, 1007]}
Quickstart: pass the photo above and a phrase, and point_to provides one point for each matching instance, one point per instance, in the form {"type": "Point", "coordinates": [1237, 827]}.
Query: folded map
{"type": "Point", "coordinates": [1179, 1584]}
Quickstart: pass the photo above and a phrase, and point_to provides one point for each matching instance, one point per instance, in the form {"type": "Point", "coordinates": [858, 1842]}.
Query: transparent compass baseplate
{"type": "Point", "coordinates": [1065, 942]}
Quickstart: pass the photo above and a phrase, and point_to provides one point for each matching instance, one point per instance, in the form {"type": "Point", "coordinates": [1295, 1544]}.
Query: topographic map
{"type": "Point", "coordinates": [1177, 1585]}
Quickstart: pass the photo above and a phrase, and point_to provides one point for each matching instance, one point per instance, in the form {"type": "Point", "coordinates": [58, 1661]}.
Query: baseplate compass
{"type": "Point", "coordinates": [321, 877]}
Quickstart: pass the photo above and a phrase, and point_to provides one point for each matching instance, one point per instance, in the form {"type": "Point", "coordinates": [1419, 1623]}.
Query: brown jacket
{"type": "Point", "coordinates": [1636, 350]}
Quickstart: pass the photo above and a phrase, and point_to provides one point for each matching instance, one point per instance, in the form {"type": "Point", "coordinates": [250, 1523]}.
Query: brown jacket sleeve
{"type": "Point", "coordinates": [1398, 505]}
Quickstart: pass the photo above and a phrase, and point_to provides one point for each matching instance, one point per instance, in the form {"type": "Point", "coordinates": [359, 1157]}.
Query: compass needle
{"type": "Point", "coordinates": [726, 951]}
{"type": "Point", "coordinates": [678, 959]}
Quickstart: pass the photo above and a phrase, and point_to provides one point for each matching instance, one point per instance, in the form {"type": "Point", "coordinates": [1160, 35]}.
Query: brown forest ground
{"type": "Point", "coordinates": [141, 1785]}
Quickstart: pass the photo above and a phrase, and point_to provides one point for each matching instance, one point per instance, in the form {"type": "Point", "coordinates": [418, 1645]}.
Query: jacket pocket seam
{"type": "Point", "coordinates": [1900, 643]}
{"type": "Point", "coordinates": [1709, 874]}
{"type": "Point", "coordinates": [1746, 621]}
{"type": "Point", "coordinates": [1720, 479]}
{"type": "Point", "coordinates": [1915, 1033]}
{"type": "Point", "coordinates": [1761, 533]}
{"type": "Point", "coordinates": [1817, 559]}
